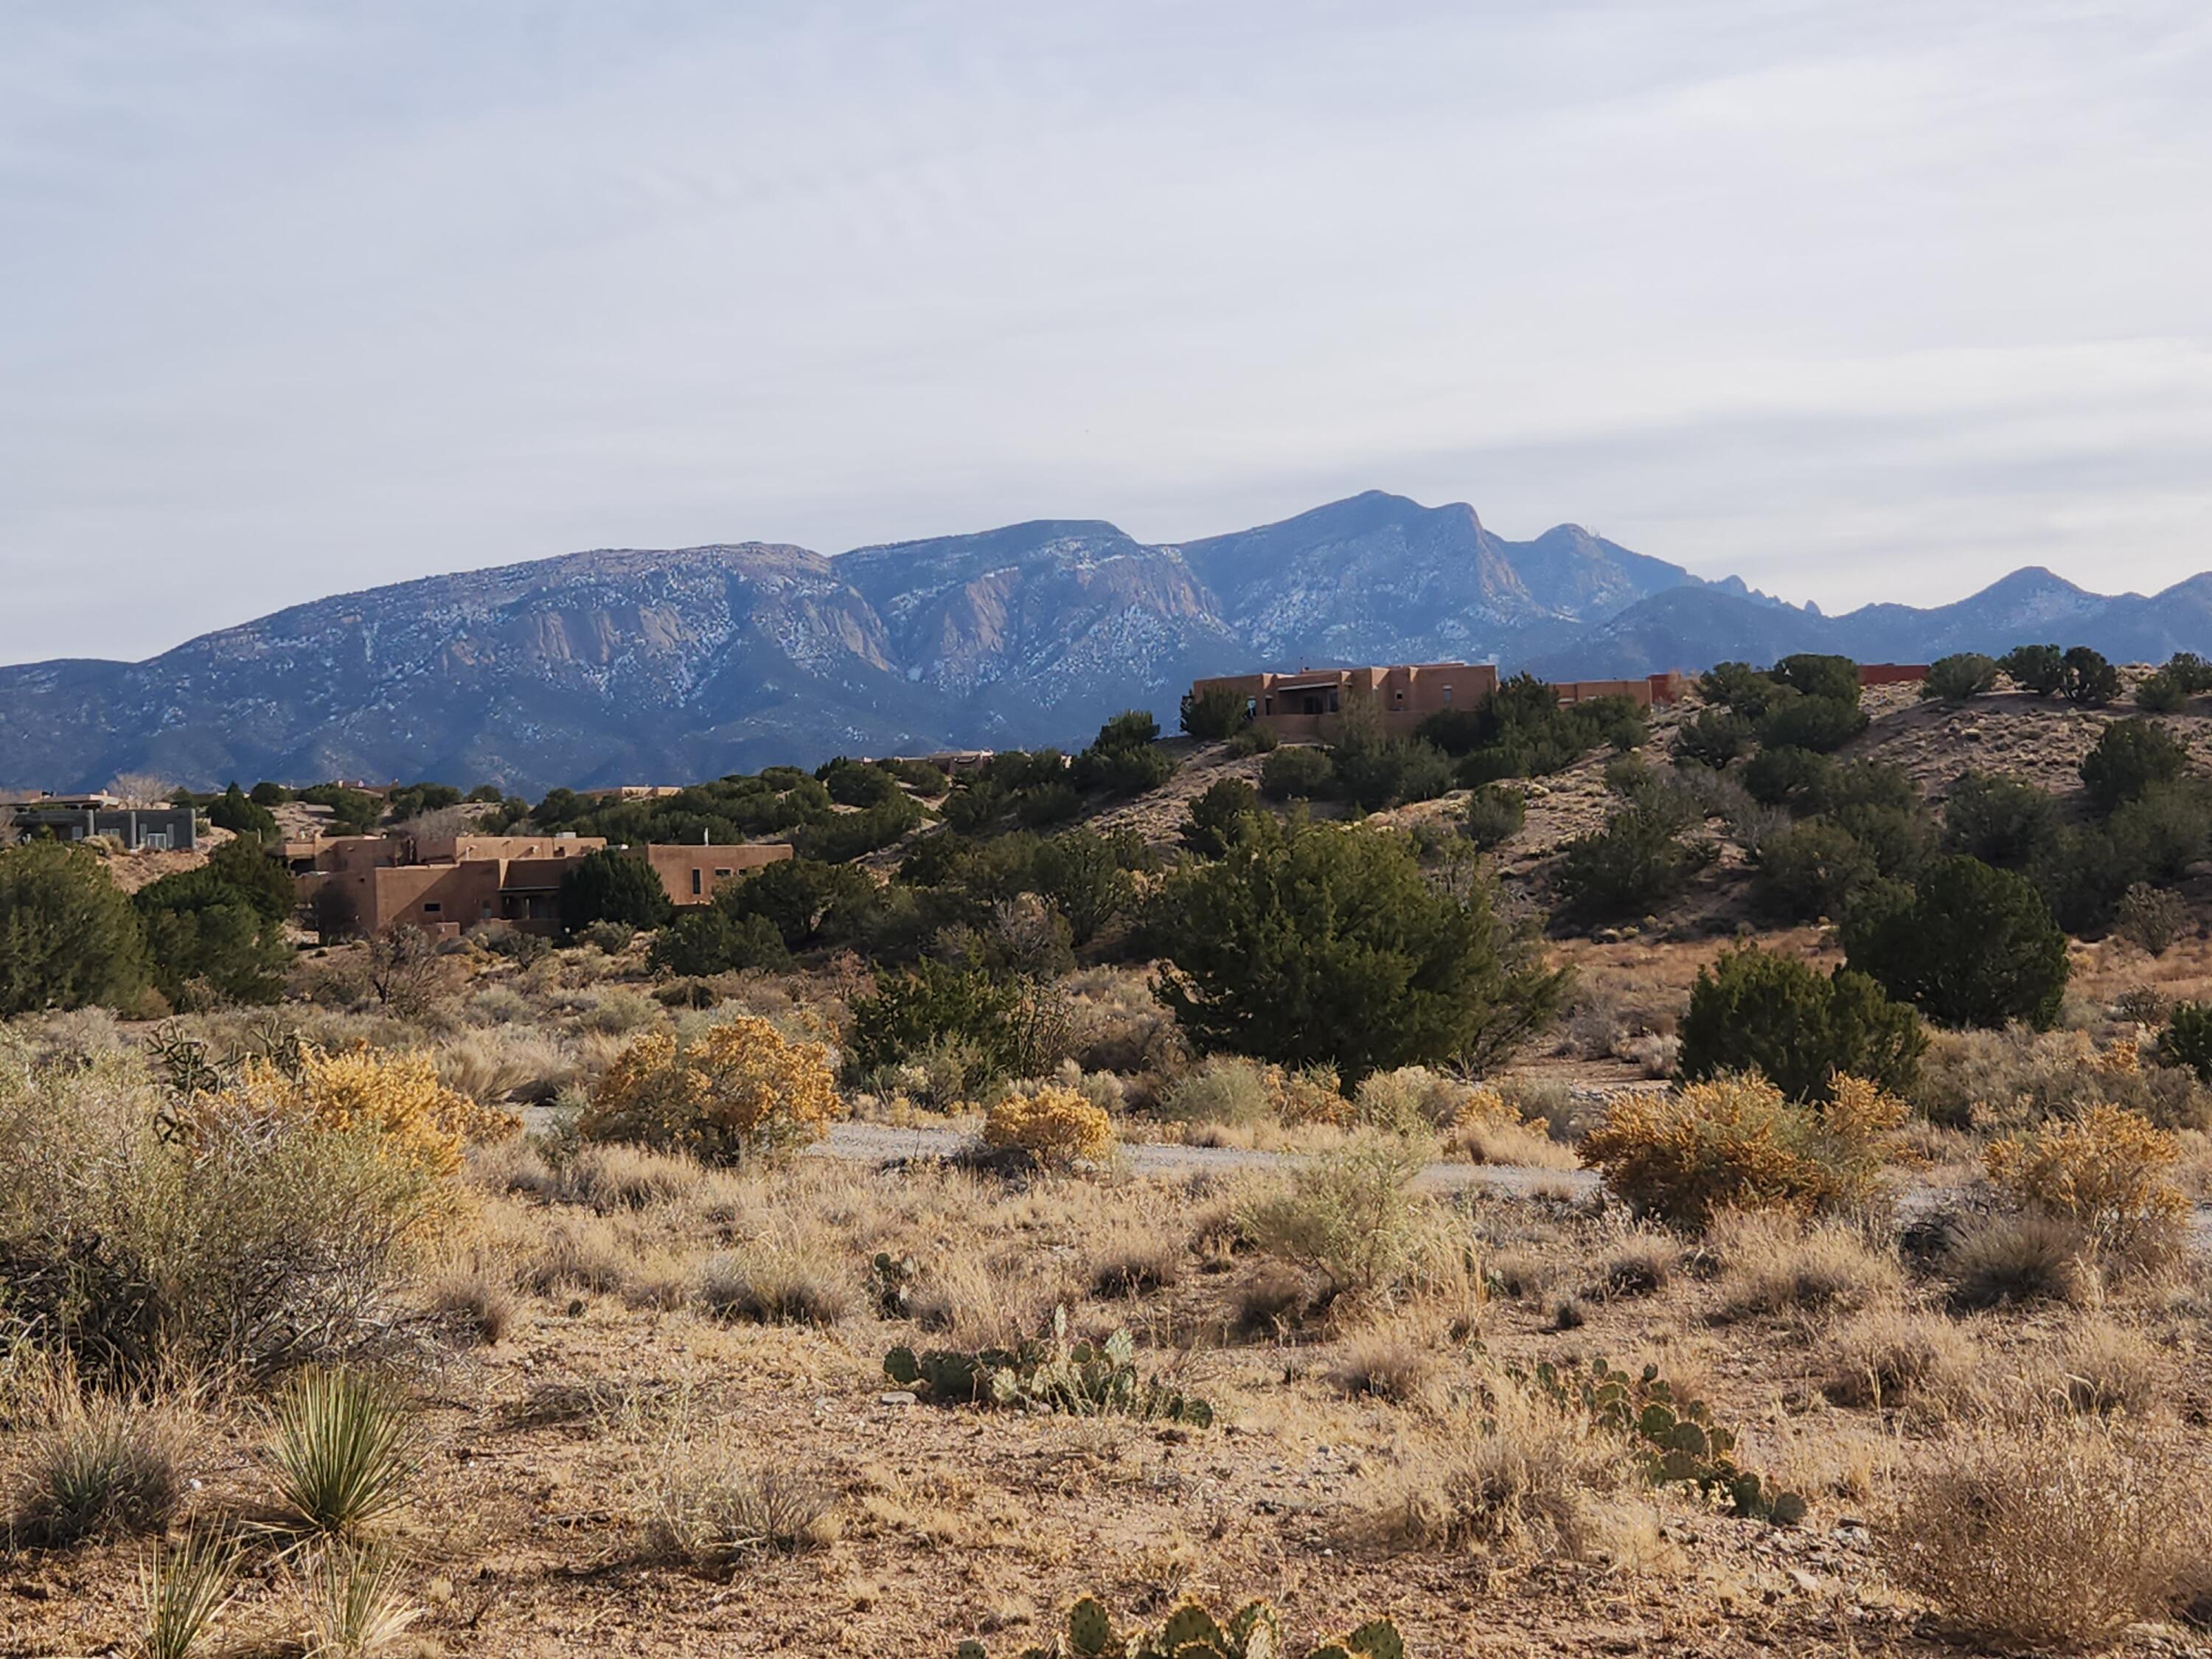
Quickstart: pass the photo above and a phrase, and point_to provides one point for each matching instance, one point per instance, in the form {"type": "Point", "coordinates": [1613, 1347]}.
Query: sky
{"type": "Point", "coordinates": [1857, 300]}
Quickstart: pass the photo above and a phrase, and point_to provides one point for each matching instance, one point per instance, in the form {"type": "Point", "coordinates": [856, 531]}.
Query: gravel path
{"type": "Point", "coordinates": [881, 1143]}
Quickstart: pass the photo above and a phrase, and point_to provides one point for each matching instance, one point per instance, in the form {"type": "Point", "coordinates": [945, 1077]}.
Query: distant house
{"type": "Point", "coordinates": [1303, 704]}
{"type": "Point", "coordinates": [451, 885]}
{"type": "Point", "coordinates": [88, 818]}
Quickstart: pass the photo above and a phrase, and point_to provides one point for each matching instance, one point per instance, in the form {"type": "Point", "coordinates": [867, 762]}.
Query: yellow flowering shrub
{"type": "Point", "coordinates": [1734, 1142]}
{"type": "Point", "coordinates": [2109, 1171]}
{"type": "Point", "coordinates": [416, 1120]}
{"type": "Point", "coordinates": [1055, 1126]}
{"type": "Point", "coordinates": [739, 1090]}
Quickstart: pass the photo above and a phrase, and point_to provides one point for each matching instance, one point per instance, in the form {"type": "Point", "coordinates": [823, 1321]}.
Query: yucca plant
{"type": "Point", "coordinates": [185, 1586]}
{"type": "Point", "coordinates": [340, 1451]}
{"type": "Point", "coordinates": [355, 1606]}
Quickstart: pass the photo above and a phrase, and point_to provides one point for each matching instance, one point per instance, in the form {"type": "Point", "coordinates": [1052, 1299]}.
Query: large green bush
{"type": "Point", "coordinates": [932, 1003]}
{"type": "Point", "coordinates": [68, 936]}
{"type": "Point", "coordinates": [1784, 777]}
{"type": "Point", "coordinates": [1298, 773]}
{"type": "Point", "coordinates": [1972, 945]}
{"type": "Point", "coordinates": [1634, 866]}
{"type": "Point", "coordinates": [1998, 818]}
{"type": "Point", "coordinates": [201, 930]}
{"type": "Point", "coordinates": [1811, 870]}
{"type": "Point", "coordinates": [808, 902]}
{"type": "Point", "coordinates": [1820, 724]}
{"type": "Point", "coordinates": [2087, 678]}
{"type": "Point", "coordinates": [1961, 675]}
{"type": "Point", "coordinates": [2131, 756]}
{"type": "Point", "coordinates": [1218, 815]}
{"type": "Point", "coordinates": [1757, 1010]}
{"type": "Point", "coordinates": [1812, 674]}
{"type": "Point", "coordinates": [1713, 738]}
{"type": "Point", "coordinates": [610, 885]}
{"type": "Point", "coordinates": [236, 811]}
{"type": "Point", "coordinates": [1086, 876]}
{"type": "Point", "coordinates": [1494, 815]}
{"type": "Point", "coordinates": [2037, 669]}
{"type": "Point", "coordinates": [707, 939]}
{"type": "Point", "coordinates": [1310, 944]}
{"type": "Point", "coordinates": [1218, 712]}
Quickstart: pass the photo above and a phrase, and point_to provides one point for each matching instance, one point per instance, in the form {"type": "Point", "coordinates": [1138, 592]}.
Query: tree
{"type": "Point", "coordinates": [1810, 870]}
{"type": "Point", "coordinates": [1820, 723]}
{"type": "Point", "coordinates": [1495, 813]}
{"type": "Point", "coordinates": [1955, 679]}
{"type": "Point", "coordinates": [1216, 712]}
{"type": "Point", "coordinates": [1785, 776]}
{"type": "Point", "coordinates": [1084, 875]}
{"type": "Point", "coordinates": [1998, 818]}
{"type": "Point", "coordinates": [1740, 687]}
{"type": "Point", "coordinates": [1311, 945]}
{"type": "Point", "coordinates": [2085, 678]}
{"type": "Point", "coordinates": [1972, 945]}
{"type": "Point", "coordinates": [1812, 674]}
{"type": "Point", "coordinates": [2039, 669]}
{"type": "Point", "coordinates": [1758, 1010]}
{"type": "Point", "coordinates": [232, 810]}
{"type": "Point", "coordinates": [261, 880]}
{"type": "Point", "coordinates": [808, 903]}
{"type": "Point", "coordinates": [708, 940]}
{"type": "Point", "coordinates": [1714, 738]}
{"type": "Point", "coordinates": [201, 931]}
{"type": "Point", "coordinates": [2131, 756]}
{"type": "Point", "coordinates": [1217, 816]}
{"type": "Point", "coordinates": [2161, 693]}
{"type": "Point", "coordinates": [266, 793]}
{"type": "Point", "coordinates": [610, 885]}
{"type": "Point", "coordinates": [67, 936]}
{"type": "Point", "coordinates": [1632, 866]}
{"type": "Point", "coordinates": [1300, 772]}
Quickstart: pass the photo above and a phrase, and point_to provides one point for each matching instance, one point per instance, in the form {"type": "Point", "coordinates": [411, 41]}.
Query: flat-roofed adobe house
{"type": "Point", "coordinates": [451, 885]}
{"type": "Point", "coordinates": [1301, 705]}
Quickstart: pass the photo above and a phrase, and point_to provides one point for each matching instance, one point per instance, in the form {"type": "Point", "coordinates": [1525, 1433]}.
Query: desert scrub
{"type": "Point", "coordinates": [1487, 1127]}
{"type": "Point", "coordinates": [1349, 1214]}
{"type": "Point", "coordinates": [2054, 1533]}
{"type": "Point", "coordinates": [94, 1466]}
{"type": "Point", "coordinates": [2109, 1173]}
{"type": "Point", "coordinates": [340, 1451]}
{"type": "Point", "coordinates": [738, 1089]}
{"type": "Point", "coordinates": [1224, 1089]}
{"type": "Point", "coordinates": [2017, 1079]}
{"type": "Point", "coordinates": [1735, 1143]}
{"type": "Point", "coordinates": [1053, 1125]}
{"type": "Point", "coordinates": [395, 1097]}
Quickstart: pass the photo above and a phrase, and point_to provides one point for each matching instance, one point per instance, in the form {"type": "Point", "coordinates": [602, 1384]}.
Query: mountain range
{"type": "Point", "coordinates": [630, 666]}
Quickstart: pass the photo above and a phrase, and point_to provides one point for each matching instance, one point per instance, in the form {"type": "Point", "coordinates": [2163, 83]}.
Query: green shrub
{"type": "Point", "coordinates": [1957, 677]}
{"type": "Point", "coordinates": [102, 1466]}
{"type": "Point", "coordinates": [1085, 877]}
{"type": "Point", "coordinates": [1634, 866]}
{"type": "Point", "coordinates": [1223, 1089]}
{"type": "Point", "coordinates": [856, 783]}
{"type": "Point", "coordinates": [2187, 1039]}
{"type": "Point", "coordinates": [1217, 816]}
{"type": "Point", "coordinates": [1820, 724]}
{"type": "Point", "coordinates": [1811, 870]}
{"type": "Point", "coordinates": [1755, 1010]}
{"type": "Point", "coordinates": [1786, 776]}
{"type": "Point", "coordinates": [1714, 738]}
{"type": "Point", "coordinates": [1812, 674]}
{"type": "Point", "coordinates": [1216, 712]}
{"type": "Point", "coordinates": [2085, 678]}
{"type": "Point", "coordinates": [1494, 815]}
{"type": "Point", "coordinates": [2131, 756]}
{"type": "Point", "coordinates": [928, 1002]}
{"type": "Point", "coordinates": [203, 931]}
{"type": "Point", "coordinates": [1308, 943]}
{"type": "Point", "coordinates": [1972, 946]}
{"type": "Point", "coordinates": [708, 940]}
{"type": "Point", "coordinates": [848, 835]}
{"type": "Point", "coordinates": [1349, 1215]}
{"type": "Point", "coordinates": [808, 903]}
{"type": "Point", "coordinates": [1999, 818]}
{"type": "Point", "coordinates": [2039, 669]}
{"type": "Point", "coordinates": [233, 810]}
{"type": "Point", "coordinates": [340, 1451]}
{"type": "Point", "coordinates": [2191, 673]}
{"type": "Point", "coordinates": [1300, 772]}
{"type": "Point", "coordinates": [1739, 686]}
{"type": "Point", "coordinates": [609, 885]}
{"type": "Point", "coordinates": [2160, 693]}
{"type": "Point", "coordinates": [2151, 917]}
{"type": "Point", "coordinates": [68, 936]}
{"type": "Point", "coordinates": [1123, 769]}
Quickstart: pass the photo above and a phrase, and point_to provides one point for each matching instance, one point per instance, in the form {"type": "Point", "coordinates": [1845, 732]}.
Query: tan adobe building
{"type": "Point", "coordinates": [451, 885]}
{"type": "Point", "coordinates": [1300, 705]}
{"type": "Point", "coordinates": [690, 874]}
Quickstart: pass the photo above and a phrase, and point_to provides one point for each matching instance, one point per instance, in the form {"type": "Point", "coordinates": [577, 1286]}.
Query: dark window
{"type": "Point", "coordinates": [433, 909]}
{"type": "Point", "coordinates": [719, 874]}
{"type": "Point", "coordinates": [698, 881]}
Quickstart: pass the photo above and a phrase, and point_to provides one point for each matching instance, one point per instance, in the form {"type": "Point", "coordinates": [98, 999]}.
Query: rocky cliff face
{"type": "Point", "coordinates": [630, 666]}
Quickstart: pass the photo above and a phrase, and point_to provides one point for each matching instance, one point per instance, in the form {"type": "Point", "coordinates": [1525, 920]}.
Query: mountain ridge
{"type": "Point", "coordinates": [626, 664]}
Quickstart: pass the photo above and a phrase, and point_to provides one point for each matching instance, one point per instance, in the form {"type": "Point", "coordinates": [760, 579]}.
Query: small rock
{"type": "Point", "coordinates": [897, 1397]}
{"type": "Point", "coordinates": [1804, 1581]}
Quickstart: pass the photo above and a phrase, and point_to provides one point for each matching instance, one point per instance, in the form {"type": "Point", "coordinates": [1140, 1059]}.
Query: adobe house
{"type": "Point", "coordinates": [1300, 705]}
{"type": "Point", "coordinates": [690, 874]}
{"type": "Point", "coordinates": [1892, 674]}
{"type": "Point", "coordinates": [450, 885]}
{"type": "Point", "coordinates": [1652, 690]}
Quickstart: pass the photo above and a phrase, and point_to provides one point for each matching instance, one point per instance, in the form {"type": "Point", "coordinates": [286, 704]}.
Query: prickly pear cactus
{"type": "Point", "coordinates": [1255, 1631]}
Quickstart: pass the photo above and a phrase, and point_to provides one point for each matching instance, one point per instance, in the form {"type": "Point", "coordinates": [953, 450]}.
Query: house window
{"type": "Point", "coordinates": [1332, 707]}
{"type": "Point", "coordinates": [1447, 696]}
{"type": "Point", "coordinates": [721, 875]}
{"type": "Point", "coordinates": [433, 908]}
{"type": "Point", "coordinates": [698, 882]}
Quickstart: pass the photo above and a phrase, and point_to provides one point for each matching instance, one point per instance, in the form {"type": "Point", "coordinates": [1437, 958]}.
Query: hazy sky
{"type": "Point", "coordinates": [1855, 300]}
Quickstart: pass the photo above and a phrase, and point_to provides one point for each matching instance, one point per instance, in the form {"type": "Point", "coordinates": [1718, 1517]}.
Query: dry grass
{"type": "Point", "coordinates": [95, 1466]}
{"type": "Point", "coordinates": [2009, 1259]}
{"type": "Point", "coordinates": [1773, 1264]}
{"type": "Point", "coordinates": [799, 1279]}
{"type": "Point", "coordinates": [2052, 1534]}
{"type": "Point", "coordinates": [701, 1494]}
{"type": "Point", "coordinates": [478, 1291]}
{"type": "Point", "coordinates": [1393, 1360]}
{"type": "Point", "coordinates": [1889, 1356]}
{"type": "Point", "coordinates": [2105, 1367]}
{"type": "Point", "coordinates": [1516, 1475]}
